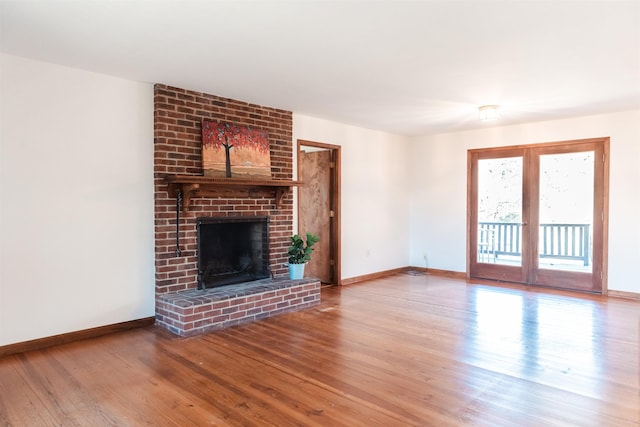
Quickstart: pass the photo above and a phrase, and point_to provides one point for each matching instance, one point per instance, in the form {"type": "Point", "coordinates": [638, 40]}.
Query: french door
{"type": "Point", "coordinates": [538, 214]}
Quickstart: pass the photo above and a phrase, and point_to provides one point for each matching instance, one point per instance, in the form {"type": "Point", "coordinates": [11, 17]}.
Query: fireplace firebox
{"type": "Point", "coordinates": [232, 250]}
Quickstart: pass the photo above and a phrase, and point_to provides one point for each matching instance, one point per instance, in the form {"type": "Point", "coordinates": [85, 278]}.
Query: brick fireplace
{"type": "Point", "coordinates": [180, 306]}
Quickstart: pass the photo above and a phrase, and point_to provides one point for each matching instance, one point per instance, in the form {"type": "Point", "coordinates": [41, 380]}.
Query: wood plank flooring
{"type": "Point", "coordinates": [411, 349]}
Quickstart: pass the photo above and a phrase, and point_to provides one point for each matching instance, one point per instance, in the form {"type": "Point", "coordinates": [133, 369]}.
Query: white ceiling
{"type": "Point", "coordinates": [408, 67]}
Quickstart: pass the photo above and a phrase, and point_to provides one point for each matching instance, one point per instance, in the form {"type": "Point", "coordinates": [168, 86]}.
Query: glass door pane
{"type": "Point", "coordinates": [565, 239]}
{"type": "Point", "coordinates": [499, 227]}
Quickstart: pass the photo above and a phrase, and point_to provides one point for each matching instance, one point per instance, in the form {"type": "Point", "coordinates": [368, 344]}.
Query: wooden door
{"type": "Point", "coordinates": [316, 212]}
{"type": "Point", "coordinates": [570, 216]}
{"type": "Point", "coordinates": [495, 257]}
{"type": "Point", "coordinates": [538, 214]}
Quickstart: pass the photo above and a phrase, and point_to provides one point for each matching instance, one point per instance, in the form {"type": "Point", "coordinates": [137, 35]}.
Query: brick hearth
{"type": "Point", "coordinates": [193, 312]}
{"type": "Point", "coordinates": [178, 114]}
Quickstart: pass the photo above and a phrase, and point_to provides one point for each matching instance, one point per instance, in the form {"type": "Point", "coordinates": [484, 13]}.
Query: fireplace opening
{"type": "Point", "coordinates": [232, 250]}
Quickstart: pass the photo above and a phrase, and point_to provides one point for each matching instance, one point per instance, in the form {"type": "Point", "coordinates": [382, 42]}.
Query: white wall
{"type": "Point", "coordinates": [76, 200]}
{"type": "Point", "coordinates": [438, 177]}
{"type": "Point", "coordinates": [375, 202]}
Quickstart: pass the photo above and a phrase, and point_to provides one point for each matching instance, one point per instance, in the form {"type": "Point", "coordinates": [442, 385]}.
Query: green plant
{"type": "Point", "coordinates": [299, 252]}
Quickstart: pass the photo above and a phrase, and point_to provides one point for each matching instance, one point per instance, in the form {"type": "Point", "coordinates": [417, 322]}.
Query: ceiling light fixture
{"type": "Point", "coordinates": [489, 112]}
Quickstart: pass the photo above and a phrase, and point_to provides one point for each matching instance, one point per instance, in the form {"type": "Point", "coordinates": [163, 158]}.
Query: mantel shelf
{"type": "Point", "coordinates": [189, 186]}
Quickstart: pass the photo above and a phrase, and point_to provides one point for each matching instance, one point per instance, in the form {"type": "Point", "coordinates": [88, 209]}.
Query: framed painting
{"type": "Point", "coordinates": [229, 150]}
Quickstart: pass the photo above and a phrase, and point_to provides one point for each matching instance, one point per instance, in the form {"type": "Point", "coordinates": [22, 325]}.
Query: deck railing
{"type": "Point", "coordinates": [561, 241]}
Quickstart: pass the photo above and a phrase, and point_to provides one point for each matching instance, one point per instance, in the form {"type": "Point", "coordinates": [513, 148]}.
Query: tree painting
{"type": "Point", "coordinates": [232, 150]}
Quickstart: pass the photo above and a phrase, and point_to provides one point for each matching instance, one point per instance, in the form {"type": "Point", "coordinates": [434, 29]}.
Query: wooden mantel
{"type": "Point", "coordinates": [196, 185]}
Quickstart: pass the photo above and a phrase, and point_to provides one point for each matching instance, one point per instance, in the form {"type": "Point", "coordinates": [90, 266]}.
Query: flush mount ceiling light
{"type": "Point", "coordinates": [489, 112]}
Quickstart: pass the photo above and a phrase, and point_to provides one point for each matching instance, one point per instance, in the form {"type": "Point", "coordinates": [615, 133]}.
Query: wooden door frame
{"type": "Point", "coordinates": [335, 200]}
{"type": "Point", "coordinates": [601, 192]}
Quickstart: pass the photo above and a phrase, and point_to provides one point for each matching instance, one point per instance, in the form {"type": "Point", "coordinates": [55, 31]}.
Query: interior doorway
{"type": "Point", "coordinates": [319, 206]}
{"type": "Point", "coordinates": [538, 214]}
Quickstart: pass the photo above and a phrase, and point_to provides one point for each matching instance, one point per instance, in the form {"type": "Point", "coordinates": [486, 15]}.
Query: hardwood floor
{"type": "Point", "coordinates": [411, 349]}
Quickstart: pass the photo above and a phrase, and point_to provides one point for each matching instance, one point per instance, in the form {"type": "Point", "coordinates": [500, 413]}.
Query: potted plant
{"type": "Point", "coordinates": [299, 253]}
